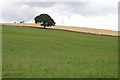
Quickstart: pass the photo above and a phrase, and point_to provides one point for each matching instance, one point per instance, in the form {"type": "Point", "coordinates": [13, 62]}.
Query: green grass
{"type": "Point", "coordinates": [0, 51]}
{"type": "Point", "coordinates": [44, 53]}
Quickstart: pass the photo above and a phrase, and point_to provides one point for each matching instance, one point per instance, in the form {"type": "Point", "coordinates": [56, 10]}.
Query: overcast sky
{"type": "Point", "coordinates": [101, 14]}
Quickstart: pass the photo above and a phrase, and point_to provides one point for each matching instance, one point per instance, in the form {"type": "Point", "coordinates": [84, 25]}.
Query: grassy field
{"type": "Point", "coordinates": [44, 53]}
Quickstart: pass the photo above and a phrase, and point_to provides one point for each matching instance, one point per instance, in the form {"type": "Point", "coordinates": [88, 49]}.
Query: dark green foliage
{"type": "Point", "coordinates": [44, 20]}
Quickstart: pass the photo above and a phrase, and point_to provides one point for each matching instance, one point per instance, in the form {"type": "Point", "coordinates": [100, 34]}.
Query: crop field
{"type": "Point", "coordinates": [44, 53]}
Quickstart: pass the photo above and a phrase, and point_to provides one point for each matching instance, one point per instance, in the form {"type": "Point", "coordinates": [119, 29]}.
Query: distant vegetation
{"type": "Point", "coordinates": [44, 20]}
{"type": "Point", "coordinates": [44, 53]}
{"type": "Point", "coordinates": [22, 21]}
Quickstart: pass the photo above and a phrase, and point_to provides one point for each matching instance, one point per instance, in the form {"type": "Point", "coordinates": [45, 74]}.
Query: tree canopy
{"type": "Point", "coordinates": [44, 20]}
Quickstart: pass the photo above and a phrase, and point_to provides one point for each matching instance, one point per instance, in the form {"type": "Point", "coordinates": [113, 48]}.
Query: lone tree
{"type": "Point", "coordinates": [44, 20]}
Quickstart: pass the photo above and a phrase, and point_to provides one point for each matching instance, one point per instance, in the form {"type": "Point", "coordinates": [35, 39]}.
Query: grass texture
{"type": "Point", "coordinates": [44, 53]}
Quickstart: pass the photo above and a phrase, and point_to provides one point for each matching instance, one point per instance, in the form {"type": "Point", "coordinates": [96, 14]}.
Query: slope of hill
{"type": "Point", "coordinates": [44, 53]}
{"type": "Point", "coordinates": [70, 28]}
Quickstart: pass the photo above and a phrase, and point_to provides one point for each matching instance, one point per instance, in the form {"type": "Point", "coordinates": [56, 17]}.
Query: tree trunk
{"type": "Point", "coordinates": [44, 27]}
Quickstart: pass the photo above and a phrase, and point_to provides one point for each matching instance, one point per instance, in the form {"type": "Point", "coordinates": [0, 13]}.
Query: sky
{"type": "Point", "coordinates": [100, 14]}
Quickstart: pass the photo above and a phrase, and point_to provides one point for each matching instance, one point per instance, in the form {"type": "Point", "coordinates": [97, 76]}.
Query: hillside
{"type": "Point", "coordinates": [44, 53]}
{"type": "Point", "coordinates": [70, 28]}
